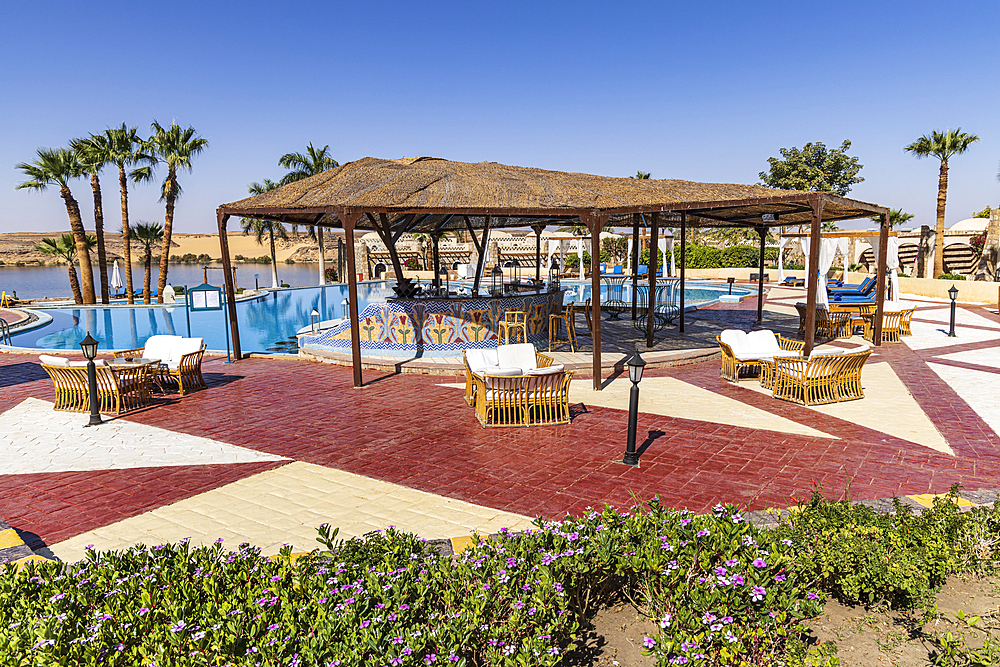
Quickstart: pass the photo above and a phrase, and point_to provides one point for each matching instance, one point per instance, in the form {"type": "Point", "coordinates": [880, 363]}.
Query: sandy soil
{"type": "Point", "coordinates": [20, 246]}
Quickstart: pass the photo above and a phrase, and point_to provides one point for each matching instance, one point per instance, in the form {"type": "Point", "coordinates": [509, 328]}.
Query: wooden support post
{"type": "Point", "coordinates": [883, 255]}
{"type": "Point", "coordinates": [483, 246]}
{"type": "Point", "coordinates": [636, 218]}
{"type": "Point", "coordinates": [348, 220]}
{"type": "Point", "coordinates": [680, 327]}
{"type": "Point", "coordinates": [230, 280]}
{"type": "Point", "coordinates": [762, 231]}
{"type": "Point", "coordinates": [595, 222]}
{"type": "Point", "coordinates": [812, 275]}
{"type": "Point", "coordinates": [538, 250]}
{"type": "Point", "coordinates": [435, 239]}
{"type": "Point", "coordinates": [654, 229]}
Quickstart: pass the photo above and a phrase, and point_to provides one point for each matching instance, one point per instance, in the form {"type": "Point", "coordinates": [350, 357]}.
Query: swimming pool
{"type": "Point", "coordinates": [267, 324]}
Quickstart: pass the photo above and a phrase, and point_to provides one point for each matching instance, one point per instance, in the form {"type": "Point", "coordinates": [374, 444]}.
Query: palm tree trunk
{"type": "Point", "coordinates": [82, 251]}
{"type": "Point", "coordinates": [149, 274]}
{"type": "Point", "coordinates": [274, 262]}
{"type": "Point", "coordinates": [168, 225]}
{"type": "Point", "coordinates": [126, 239]}
{"type": "Point", "coordinates": [322, 260]}
{"type": "Point", "coordinates": [74, 283]}
{"type": "Point", "coordinates": [939, 227]}
{"type": "Point", "coordinates": [102, 256]}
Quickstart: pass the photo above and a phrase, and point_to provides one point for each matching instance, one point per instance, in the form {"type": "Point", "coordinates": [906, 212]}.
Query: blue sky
{"type": "Point", "coordinates": [700, 91]}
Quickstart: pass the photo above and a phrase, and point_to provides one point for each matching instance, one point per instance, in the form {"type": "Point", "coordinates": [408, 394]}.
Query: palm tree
{"type": "Point", "coordinates": [315, 161]}
{"type": "Point", "coordinates": [942, 145]}
{"type": "Point", "coordinates": [897, 216]}
{"type": "Point", "coordinates": [148, 234]}
{"type": "Point", "coordinates": [174, 146]}
{"type": "Point", "coordinates": [121, 146]}
{"type": "Point", "coordinates": [271, 228]}
{"type": "Point", "coordinates": [65, 248]}
{"type": "Point", "coordinates": [56, 166]}
{"type": "Point", "coordinates": [92, 156]}
{"type": "Point", "coordinates": [641, 175]}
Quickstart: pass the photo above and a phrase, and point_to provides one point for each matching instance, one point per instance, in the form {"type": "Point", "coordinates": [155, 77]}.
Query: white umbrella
{"type": "Point", "coordinates": [116, 277]}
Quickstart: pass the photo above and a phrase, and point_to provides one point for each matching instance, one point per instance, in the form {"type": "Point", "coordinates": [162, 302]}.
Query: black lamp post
{"type": "Point", "coordinates": [953, 292]}
{"type": "Point", "coordinates": [635, 366]}
{"type": "Point", "coordinates": [497, 280]}
{"type": "Point", "coordinates": [89, 346]}
{"type": "Point", "coordinates": [314, 321]}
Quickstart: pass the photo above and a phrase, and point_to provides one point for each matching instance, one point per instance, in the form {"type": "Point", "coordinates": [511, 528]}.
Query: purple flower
{"type": "Point", "coordinates": [715, 627]}
{"type": "Point", "coordinates": [757, 593]}
{"type": "Point", "coordinates": [727, 619]}
{"type": "Point", "coordinates": [781, 577]}
{"type": "Point", "coordinates": [759, 563]}
{"type": "Point", "coordinates": [430, 657]}
{"type": "Point", "coordinates": [665, 621]}
{"type": "Point", "coordinates": [720, 571]}
{"type": "Point", "coordinates": [178, 626]}
{"type": "Point", "coordinates": [732, 562]}
{"type": "Point", "coordinates": [812, 596]}
{"type": "Point", "coordinates": [738, 580]}
{"type": "Point", "coordinates": [649, 642]}
{"type": "Point", "coordinates": [702, 533]}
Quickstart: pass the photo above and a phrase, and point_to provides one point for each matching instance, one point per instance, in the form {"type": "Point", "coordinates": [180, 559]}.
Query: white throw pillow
{"type": "Point", "coordinates": [49, 360]}
{"type": "Point", "coordinates": [159, 347]}
{"type": "Point", "coordinates": [764, 342]}
{"type": "Point", "coordinates": [475, 360]}
{"type": "Point", "coordinates": [490, 357]}
{"type": "Point", "coordinates": [735, 339]}
{"type": "Point", "coordinates": [180, 348]}
{"type": "Point", "coordinates": [520, 355]}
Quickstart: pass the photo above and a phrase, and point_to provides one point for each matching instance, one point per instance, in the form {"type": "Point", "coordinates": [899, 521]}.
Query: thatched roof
{"type": "Point", "coordinates": [432, 194]}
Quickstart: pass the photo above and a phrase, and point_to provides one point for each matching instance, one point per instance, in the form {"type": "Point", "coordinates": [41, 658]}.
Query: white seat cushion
{"type": "Point", "coordinates": [521, 355]}
{"type": "Point", "coordinates": [548, 370]}
{"type": "Point", "coordinates": [160, 347]}
{"type": "Point", "coordinates": [735, 339]}
{"type": "Point", "coordinates": [180, 348]}
{"type": "Point", "coordinates": [503, 372]}
{"type": "Point", "coordinates": [100, 363]}
{"type": "Point", "coordinates": [763, 342]}
{"type": "Point", "coordinates": [828, 351]}
{"type": "Point", "coordinates": [475, 360]}
{"type": "Point", "coordinates": [49, 360]}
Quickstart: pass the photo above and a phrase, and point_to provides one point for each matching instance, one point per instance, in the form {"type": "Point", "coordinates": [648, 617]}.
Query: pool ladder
{"type": "Point", "coordinates": [4, 332]}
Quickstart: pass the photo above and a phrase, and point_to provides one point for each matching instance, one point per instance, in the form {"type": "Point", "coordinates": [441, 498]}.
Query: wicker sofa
{"type": "Point", "coordinates": [180, 359]}
{"type": "Point", "coordinates": [827, 376]}
{"type": "Point", "coordinates": [751, 354]}
{"type": "Point", "coordinates": [119, 389]}
{"type": "Point", "coordinates": [514, 385]}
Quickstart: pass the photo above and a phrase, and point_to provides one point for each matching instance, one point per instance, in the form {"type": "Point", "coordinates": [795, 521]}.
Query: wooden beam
{"type": "Point", "coordinates": [812, 278]}
{"type": "Point", "coordinates": [349, 220]}
{"type": "Point", "coordinates": [435, 238]}
{"type": "Point", "coordinates": [654, 230]}
{"type": "Point", "coordinates": [883, 255]}
{"type": "Point", "coordinates": [385, 234]}
{"type": "Point", "coordinates": [848, 234]}
{"type": "Point", "coordinates": [227, 269]}
{"type": "Point", "coordinates": [680, 316]}
{"type": "Point", "coordinates": [762, 231]}
{"type": "Point", "coordinates": [475, 241]}
{"type": "Point", "coordinates": [636, 219]}
{"type": "Point", "coordinates": [595, 222]}
{"type": "Point", "coordinates": [538, 250]}
{"type": "Point", "coordinates": [482, 255]}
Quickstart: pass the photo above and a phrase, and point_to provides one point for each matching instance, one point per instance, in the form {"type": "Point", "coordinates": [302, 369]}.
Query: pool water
{"type": "Point", "coordinates": [267, 324]}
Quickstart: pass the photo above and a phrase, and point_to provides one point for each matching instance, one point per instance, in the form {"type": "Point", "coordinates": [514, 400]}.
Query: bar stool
{"type": "Point", "coordinates": [516, 320]}
{"type": "Point", "coordinates": [566, 316]}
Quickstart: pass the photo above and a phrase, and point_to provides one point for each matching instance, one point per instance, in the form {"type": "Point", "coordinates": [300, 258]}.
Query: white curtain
{"type": "Point", "coordinates": [891, 263]}
{"type": "Point", "coordinates": [842, 246]}
{"type": "Point", "coordinates": [628, 258]}
{"type": "Point", "coordinates": [804, 241]}
{"type": "Point", "coordinates": [827, 250]}
{"type": "Point", "coordinates": [579, 253]}
{"type": "Point", "coordinates": [662, 243]}
{"type": "Point", "coordinates": [782, 242]}
{"type": "Point", "coordinates": [673, 264]}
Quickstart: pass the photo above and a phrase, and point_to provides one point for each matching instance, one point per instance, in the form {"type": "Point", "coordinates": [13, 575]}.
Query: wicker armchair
{"type": "Point", "coordinates": [744, 362]}
{"type": "Point", "coordinates": [833, 323]}
{"type": "Point", "coordinates": [904, 322]}
{"type": "Point", "coordinates": [892, 323]}
{"type": "Point", "coordinates": [119, 389]}
{"type": "Point", "coordinates": [523, 400]}
{"type": "Point", "coordinates": [823, 378]}
{"type": "Point", "coordinates": [488, 358]}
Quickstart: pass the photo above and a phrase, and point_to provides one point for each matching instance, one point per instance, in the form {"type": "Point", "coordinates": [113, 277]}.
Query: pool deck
{"type": "Point", "coordinates": [277, 446]}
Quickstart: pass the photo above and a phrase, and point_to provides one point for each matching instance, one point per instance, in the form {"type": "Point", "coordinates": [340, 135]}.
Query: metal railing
{"type": "Point", "coordinates": [4, 332]}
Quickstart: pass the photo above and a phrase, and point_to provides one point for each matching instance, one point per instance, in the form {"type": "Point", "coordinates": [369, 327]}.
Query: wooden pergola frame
{"type": "Point", "coordinates": [789, 208]}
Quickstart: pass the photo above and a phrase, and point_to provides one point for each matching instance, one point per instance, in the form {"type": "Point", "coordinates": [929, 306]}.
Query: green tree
{"type": "Point", "coordinates": [641, 175]}
{"type": "Point", "coordinates": [93, 156]}
{"type": "Point", "coordinates": [175, 147]}
{"type": "Point", "coordinates": [303, 165]}
{"type": "Point", "coordinates": [814, 167]}
{"type": "Point", "coordinates": [261, 228]}
{"type": "Point", "coordinates": [122, 147]}
{"type": "Point", "coordinates": [65, 248]}
{"type": "Point", "coordinates": [148, 234]}
{"type": "Point", "coordinates": [897, 216]}
{"type": "Point", "coordinates": [56, 166]}
{"type": "Point", "coordinates": [985, 213]}
{"type": "Point", "coordinates": [943, 146]}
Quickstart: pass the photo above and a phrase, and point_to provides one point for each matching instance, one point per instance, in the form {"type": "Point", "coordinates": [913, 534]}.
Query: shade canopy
{"type": "Point", "coordinates": [425, 194]}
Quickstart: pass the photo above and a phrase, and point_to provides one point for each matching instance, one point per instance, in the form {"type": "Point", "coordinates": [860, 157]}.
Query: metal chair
{"type": "Point", "coordinates": [567, 316]}
{"type": "Point", "coordinates": [516, 320]}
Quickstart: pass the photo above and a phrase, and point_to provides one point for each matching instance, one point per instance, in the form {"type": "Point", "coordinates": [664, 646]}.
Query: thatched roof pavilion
{"type": "Point", "coordinates": [433, 195]}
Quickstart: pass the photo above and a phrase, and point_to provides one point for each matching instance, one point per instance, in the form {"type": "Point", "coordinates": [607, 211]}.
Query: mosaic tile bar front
{"type": "Point", "coordinates": [438, 327]}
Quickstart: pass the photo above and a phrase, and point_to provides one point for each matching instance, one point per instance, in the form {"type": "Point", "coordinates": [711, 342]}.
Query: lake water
{"type": "Point", "coordinates": [33, 282]}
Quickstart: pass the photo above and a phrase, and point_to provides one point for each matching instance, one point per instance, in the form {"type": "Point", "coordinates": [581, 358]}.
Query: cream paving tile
{"type": "Point", "coordinates": [978, 357]}
{"type": "Point", "coordinates": [934, 334]}
{"type": "Point", "coordinates": [38, 439]}
{"type": "Point", "coordinates": [887, 406]}
{"type": "Point", "coordinates": [977, 388]}
{"type": "Point", "coordinates": [269, 521]}
{"type": "Point", "coordinates": [674, 398]}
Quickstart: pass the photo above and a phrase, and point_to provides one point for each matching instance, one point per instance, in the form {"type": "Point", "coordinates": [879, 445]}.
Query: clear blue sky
{"type": "Point", "coordinates": [700, 91]}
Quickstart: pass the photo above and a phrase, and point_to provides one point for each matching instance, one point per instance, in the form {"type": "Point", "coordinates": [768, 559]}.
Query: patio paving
{"type": "Point", "coordinates": [928, 422]}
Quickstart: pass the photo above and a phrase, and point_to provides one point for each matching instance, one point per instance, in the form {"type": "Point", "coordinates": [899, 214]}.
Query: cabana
{"type": "Point", "coordinates": [434, 196]}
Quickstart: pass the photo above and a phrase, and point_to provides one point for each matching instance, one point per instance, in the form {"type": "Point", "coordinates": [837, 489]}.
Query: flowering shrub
{"type": "Point", "coordinates": [723, 592]}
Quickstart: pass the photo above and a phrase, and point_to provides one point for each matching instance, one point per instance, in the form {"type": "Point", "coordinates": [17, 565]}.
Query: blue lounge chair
{"type": "Point", "coordinates": [643, 269]}
{"type": "Point", "coordinates": [864, 288]}
{"type": "Point", "coordinates": [619, 270]}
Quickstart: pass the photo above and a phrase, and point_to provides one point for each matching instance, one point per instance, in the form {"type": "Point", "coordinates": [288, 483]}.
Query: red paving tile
{"type": "Point", "coordinates": [407, 429]}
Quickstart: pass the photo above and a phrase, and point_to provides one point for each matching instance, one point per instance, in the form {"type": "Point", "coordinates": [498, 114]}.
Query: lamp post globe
{"type": "Point", "coordinates": [89, 347]}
